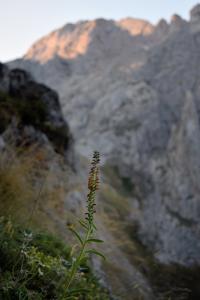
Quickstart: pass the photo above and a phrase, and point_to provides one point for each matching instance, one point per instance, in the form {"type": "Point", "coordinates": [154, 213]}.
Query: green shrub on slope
{"type": "Point", "coordinates": [35, 265]}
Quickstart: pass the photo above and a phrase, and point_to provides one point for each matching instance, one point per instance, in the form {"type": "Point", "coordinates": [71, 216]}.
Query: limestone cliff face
{"type": "Point", "coordinates": [90, 46]}
{"type": "Point", "coordinates": [133, 94]}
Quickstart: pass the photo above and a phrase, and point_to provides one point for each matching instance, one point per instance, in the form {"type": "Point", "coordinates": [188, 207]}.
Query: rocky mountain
{"type": "Point", "coordinates": [131, 90]}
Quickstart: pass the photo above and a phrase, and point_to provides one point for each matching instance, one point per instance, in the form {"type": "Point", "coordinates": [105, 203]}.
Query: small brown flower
{"type": "Point", "coordinates": [93, 185]}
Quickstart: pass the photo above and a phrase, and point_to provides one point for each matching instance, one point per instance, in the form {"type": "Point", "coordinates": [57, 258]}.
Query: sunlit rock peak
{"type": "Point", "coordinates": [136, 26]}
{"type": "Point", "coordinates": [74, 40]}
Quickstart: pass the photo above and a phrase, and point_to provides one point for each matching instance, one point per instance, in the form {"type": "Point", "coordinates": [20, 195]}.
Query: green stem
{"type": "Point", "coordinates": [76, 265]}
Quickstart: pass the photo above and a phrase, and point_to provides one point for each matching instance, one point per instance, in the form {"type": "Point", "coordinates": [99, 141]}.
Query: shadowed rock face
{"type": "Point", "coordinates": [33, 107]}
{"type": "Point", "coordinates": [136, 99]}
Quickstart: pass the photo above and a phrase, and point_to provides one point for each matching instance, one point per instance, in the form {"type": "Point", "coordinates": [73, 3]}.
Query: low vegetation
{"type": "Point", "coordinates": [37, 265]}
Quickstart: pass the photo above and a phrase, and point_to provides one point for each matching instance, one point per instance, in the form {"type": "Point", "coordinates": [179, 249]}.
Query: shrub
{"type": "Point", "coordinates": [35, 264]}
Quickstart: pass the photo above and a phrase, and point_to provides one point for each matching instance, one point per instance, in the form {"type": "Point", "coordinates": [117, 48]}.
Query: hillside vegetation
{"type": "Point", "coordinates": [35, 266]}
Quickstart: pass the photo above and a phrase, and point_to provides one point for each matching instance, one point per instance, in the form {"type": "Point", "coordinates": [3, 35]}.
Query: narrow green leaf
{"type": "Point", "coordinates": [83, 224]}
{"type": "Point", "coordinates": [77, 235]}
{"type": "Point", "coordinates": [94, 241]}
{"type": "Point", "coordinates": [78, 291]}
{"type": "Point", "coordinates": [83, 259]}
{"type": "Point", "coordinates": [94, 226]}
{"type": "Point", "coordinates": [93, 251]}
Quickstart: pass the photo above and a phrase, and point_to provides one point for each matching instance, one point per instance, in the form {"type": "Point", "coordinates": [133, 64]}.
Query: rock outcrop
{"type": "Point", "coordinates": [32, 108]}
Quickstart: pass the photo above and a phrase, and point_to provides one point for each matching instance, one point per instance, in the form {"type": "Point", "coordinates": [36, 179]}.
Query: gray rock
{"type": "Point", "coordinates": [195, 18]}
